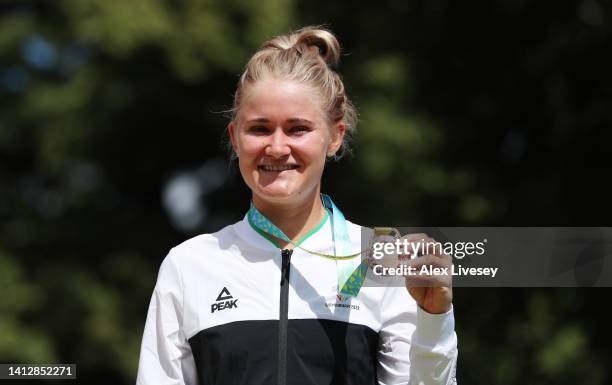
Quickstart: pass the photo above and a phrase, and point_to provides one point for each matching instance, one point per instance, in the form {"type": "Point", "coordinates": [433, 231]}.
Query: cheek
{"type": "Point", "coordinates": [315, 148]}
{"type": "Point", "coordinates": [250, 146]}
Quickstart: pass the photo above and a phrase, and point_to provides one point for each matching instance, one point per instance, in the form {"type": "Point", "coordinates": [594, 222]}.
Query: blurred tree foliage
{"type": "Point", "coordinates": [111, 118]}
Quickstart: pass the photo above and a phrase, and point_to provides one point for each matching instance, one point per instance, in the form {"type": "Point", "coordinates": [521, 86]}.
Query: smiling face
{"type": "Point", "coordinates": [282, 137]}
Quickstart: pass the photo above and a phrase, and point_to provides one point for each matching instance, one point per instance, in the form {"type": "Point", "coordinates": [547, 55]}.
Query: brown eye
{"type": "Point", "coordinates": [258, 130]}
{"type": "Point", "coordinates": [299, 129]}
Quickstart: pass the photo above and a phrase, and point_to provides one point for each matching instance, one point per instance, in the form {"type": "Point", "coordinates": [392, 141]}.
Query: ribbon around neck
{"type": "Point", "coordinates": [351, 271]}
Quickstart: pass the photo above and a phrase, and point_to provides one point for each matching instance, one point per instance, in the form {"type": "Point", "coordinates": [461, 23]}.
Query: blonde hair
{"type": "Point", "coordinates": [308, 56]}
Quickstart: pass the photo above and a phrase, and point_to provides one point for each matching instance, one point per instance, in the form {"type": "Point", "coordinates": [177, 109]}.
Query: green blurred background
{"type": "Point", "coordinates": [472, 113]}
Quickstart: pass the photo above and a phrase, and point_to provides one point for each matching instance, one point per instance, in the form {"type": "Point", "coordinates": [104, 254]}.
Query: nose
{"type": "Point", "coordinates": [278, 145]}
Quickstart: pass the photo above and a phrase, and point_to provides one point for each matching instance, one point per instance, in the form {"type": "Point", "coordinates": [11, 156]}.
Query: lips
{"type": "Point", "coordinates": [277, 167]}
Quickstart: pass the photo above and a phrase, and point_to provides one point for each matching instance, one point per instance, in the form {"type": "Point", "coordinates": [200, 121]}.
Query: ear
{"type": "Point", "coordinates": [338, 130]}
{"type": "Point", "coordinates": [231, 129]}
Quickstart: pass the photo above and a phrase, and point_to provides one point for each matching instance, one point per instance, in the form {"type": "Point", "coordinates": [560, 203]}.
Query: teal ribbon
{"type": "Point", "coordinates": [351, 271]}
{"type": "Point", "coordinates": [350, 274]}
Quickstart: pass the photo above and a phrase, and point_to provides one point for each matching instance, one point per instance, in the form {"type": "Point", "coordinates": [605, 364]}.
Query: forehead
{"type": "Point", "coordinates": [276, 99]}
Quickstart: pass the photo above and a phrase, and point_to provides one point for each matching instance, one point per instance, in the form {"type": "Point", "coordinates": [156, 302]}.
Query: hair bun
{"type": "Point", "coordinates": [325, 41]}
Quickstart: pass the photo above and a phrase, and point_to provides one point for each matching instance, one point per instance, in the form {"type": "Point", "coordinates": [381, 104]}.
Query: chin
{"type": "Point", "coordinates": [276, 194]}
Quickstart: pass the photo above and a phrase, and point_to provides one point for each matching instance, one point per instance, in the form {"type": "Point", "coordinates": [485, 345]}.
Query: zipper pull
{"type": "Point", "coordinates": [286, 259]}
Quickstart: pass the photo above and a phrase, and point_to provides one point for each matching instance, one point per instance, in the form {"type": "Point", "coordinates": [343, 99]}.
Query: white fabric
{"type": "Point", "coordinates": [415, 347]}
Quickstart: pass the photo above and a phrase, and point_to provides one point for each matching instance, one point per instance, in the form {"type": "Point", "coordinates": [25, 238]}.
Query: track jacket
{"type": "Point", "coordinates": [232, 308]}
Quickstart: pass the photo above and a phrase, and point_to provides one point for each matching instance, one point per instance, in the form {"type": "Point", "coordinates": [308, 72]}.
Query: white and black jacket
{"type": "Point", "coordinates": [232, 308]}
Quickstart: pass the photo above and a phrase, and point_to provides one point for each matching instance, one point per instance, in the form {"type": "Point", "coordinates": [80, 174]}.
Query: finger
{"type": "Point", "coordinates": [429, 280]}
{"type": "Point", "coordinates": [414, 245]}
{"type": "Point", "coordinates": [422, 244]}
{"type": "Point", "coordinates": [428, 260]}
{"type": "Point", "coordinates": [429, 271]}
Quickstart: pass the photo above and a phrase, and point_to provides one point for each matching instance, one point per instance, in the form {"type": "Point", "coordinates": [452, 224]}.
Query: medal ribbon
{"type": "Point", "coordinates": [351, 271]}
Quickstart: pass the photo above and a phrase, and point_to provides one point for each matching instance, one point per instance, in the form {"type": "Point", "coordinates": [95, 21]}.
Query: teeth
{"type": "Point", "coordinates": [283, 167]}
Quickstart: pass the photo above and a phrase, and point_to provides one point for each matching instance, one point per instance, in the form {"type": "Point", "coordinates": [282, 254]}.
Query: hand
{"type": "Point", "coordinates": [433, 293]}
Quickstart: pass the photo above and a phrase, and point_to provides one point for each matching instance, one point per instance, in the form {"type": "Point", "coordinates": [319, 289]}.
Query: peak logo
{"type": "Point", "coordinates": [224, 301]}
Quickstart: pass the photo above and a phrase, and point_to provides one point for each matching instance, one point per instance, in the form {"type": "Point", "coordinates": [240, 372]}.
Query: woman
{"type": "Point", "coordinates": [273, 299]}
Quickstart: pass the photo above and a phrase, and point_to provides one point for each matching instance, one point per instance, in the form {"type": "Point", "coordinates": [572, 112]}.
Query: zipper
{"type": "Point", "coordinates": [283, 316]}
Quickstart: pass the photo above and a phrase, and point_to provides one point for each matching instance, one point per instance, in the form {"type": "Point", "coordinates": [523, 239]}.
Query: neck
{"type": "Point", "coordinates": [295, 219]}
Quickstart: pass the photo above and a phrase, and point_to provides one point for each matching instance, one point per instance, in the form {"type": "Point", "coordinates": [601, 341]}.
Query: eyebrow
{"type": "Point", "coordinates": [290, 120]}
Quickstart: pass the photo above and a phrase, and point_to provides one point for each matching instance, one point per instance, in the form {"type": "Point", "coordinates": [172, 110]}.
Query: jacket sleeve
{"type": "Point", "coordinates": [415, 347]}
{"type": "Point", "coordinates": [165, 354]}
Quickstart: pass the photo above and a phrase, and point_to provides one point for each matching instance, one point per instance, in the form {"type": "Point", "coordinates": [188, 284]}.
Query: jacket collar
{"type": "Point", "coordinates": [320, 240]}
